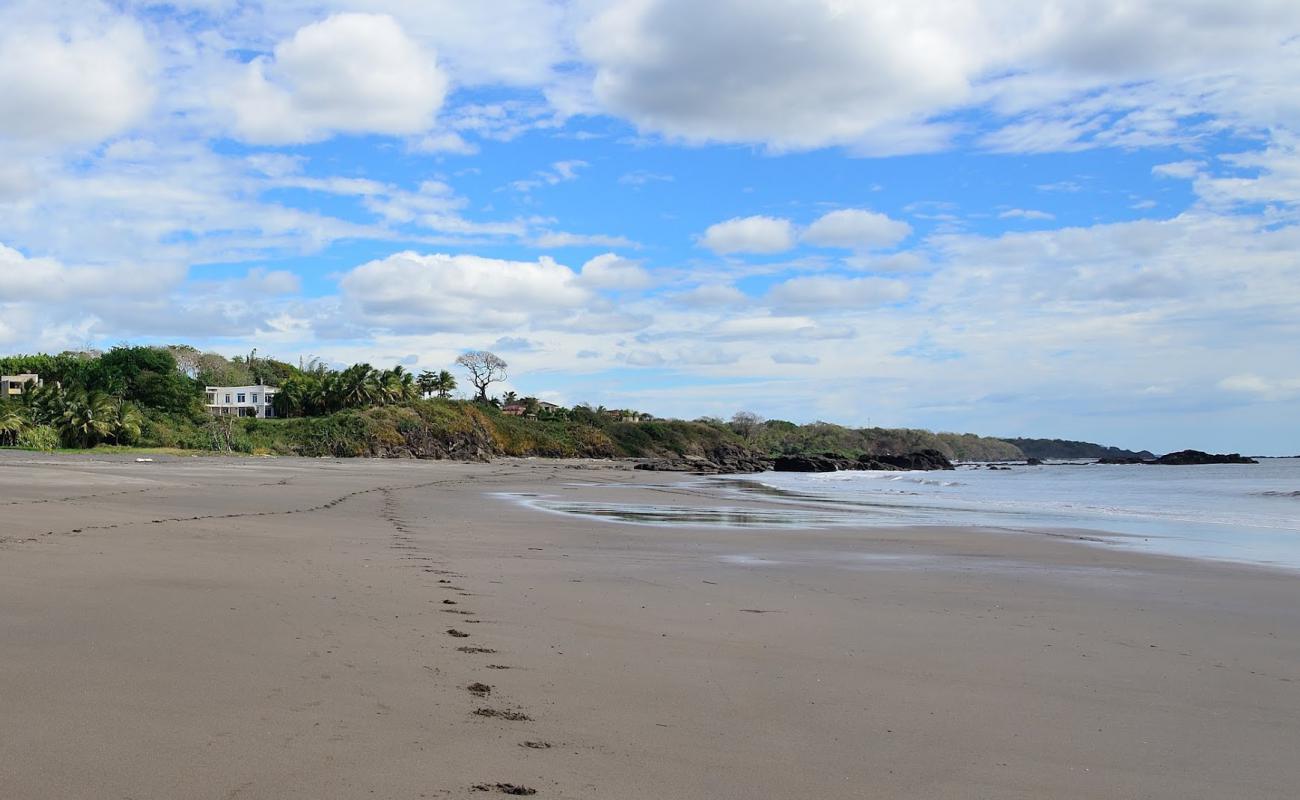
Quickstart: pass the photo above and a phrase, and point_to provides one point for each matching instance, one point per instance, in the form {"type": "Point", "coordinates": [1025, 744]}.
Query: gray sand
{"type": "Point", "coordinates": [229, 628]}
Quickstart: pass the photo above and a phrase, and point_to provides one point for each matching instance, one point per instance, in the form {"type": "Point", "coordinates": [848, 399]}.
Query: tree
{"type": "Point", "coordinates": [444, 384]}
{"type": "Point", "coordinates": [87, 418]}
{"type": "Point", "coordinates": [744, 423]}
{"type": "Point", "coordinates": [484, 370]}
{"type": "Point", "coordinates": [510, 398]}
{"type": "Point", "coordinates": [12, 425]}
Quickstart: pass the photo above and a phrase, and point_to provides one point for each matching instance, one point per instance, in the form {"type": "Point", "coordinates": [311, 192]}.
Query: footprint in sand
{"type": "Point", "coordinates": [457, 634]}
{"type": "Point", "coordinates": [496, 713]}
{"type": "Point", "coordinates": [504, 788]}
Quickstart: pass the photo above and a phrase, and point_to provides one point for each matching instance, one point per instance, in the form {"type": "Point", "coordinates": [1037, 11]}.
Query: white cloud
{"type": "Point", "coordinates": [712, 294]}
{"type": "Point", "coordinates": [875, 75]}
{"type": "Point", "coordinates": [610, 271]}
{"type": "Point", "coordinates": [1025, 213]}
{"type": "Point", "coordinates": [827, 292]}
{"type": "Point", "coordinates": [856, 229]}
{"type": "Point", "coordinates": [557, 239]}
{"type": "Point", "coordinates": [1264, 388]}
{"type": "Point", "coordinates": [46, 279]}
{"type": "Point", "coordinates": [349, 73]}
{"type": "Point", "coordinates": [410, 291]}
{"type": "Point", "coordinates": [750, 235]}
{"type": "Point", "coordinates": [1178, 169]}
{"type": "Point", "coordinates": [560, 172]}
{"type": "Point", "coordinates": [792, 75]}
{"type": "Point", "coordinates": [73, 87]}
{"type": "Point", "coordinates": [446, 142]}
{"type": "Point", "coordinates": [795, 358]}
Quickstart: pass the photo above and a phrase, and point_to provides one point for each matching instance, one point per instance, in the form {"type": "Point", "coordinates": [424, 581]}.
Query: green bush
{"type": "Point", "coordinates": [39, 437]}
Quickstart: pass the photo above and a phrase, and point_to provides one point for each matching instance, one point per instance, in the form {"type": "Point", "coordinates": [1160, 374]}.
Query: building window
{"type": "Point", "coordinates": [241, 397]}
{"type": "Point", "coordinates": [254, 398]}
{"type": "Point", "coordinates": [227, 399]}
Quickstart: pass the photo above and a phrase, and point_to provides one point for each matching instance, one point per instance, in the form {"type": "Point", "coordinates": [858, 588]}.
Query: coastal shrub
{"type": "Point", "coordinates": [39, 437]}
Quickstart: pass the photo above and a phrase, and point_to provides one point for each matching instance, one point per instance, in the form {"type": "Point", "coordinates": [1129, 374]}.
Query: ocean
{"type": "Point", "coordinates": [1234, 512]}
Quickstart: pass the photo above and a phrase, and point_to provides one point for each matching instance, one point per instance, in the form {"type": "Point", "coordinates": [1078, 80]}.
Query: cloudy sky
{"type": "Point", "coordinates": [1074, 219]}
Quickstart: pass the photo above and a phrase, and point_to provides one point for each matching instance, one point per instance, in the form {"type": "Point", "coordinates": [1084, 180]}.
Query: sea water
{"type": "Point", "coordinates": [1235, 512]}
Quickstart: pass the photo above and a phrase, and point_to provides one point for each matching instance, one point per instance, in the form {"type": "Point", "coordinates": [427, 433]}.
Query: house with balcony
{"type": "Point", "coordinates": [13, 386]}
{"type": "Point", "coordinates": [240, 401]}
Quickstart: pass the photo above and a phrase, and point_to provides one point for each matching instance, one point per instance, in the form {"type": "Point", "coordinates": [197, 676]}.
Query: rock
{"type": "Point", "coordinates": [920, 460]}
{"type": "Point", "coordinates": [1184, 458]}
{"type": "Point", "coordinates": [805, 464]}
{"type": "Point", "coordinates": [1196, 457]}
{"type": "Point", "coordinates": [1033, 462]}
{"type": "Point", "coordinates": [723, 458]}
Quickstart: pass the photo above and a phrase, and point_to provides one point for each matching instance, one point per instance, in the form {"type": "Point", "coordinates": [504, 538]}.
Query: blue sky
{"type": "Point", "coordinates": [1013, 218]}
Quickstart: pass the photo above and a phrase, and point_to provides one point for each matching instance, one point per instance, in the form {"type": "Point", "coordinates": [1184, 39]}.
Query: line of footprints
{"type": "Point", "coordinates": [403, 541]}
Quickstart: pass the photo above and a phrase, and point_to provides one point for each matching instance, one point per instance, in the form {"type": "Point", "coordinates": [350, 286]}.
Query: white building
{"type": "Point", "coordinates": [12, 385]}
{"type": "Point", "coordinates": [240, 401]}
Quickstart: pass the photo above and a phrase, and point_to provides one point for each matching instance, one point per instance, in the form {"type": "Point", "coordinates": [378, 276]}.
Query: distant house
{"type": "Point", "coordinates": [542, 405]}
{"type": "Point", "coordinates": [14, 385]}
{"type": "Point", "coordinates": [627, 415]}
{"type": "Point", "coordinates": [514, 410]}
{"type": "Point", "coordinates": [240, 401]}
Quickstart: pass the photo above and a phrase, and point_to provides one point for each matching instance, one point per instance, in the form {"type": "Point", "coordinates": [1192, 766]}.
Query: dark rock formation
{"type": "Point", "coordinates": [1195, 457]}
{"type": "Point", "coordinates": [920, 460]}
{"type": "Point", "coordinates": [832, 462]}
{"type": "Point", "coordinates": [1185, 458]}
{"type": "Point", "coordinates": [806, 464]}
{"type": "Point", "coordinates": [1033, 462]}
{"type": "Point", "coordinates": [723, 458]}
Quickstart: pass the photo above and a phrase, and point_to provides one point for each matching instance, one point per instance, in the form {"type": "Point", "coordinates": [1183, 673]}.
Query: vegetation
{"type": "Point", "coordinates": [1062, 448]}
{"type": "Point", "coordinates": [319, 391]}
{"type": "Point", "coordinates": [152, 397]}
{"type": "Point", "coordinates": [778, 437]}
{"type": "Point", "coordinates": [484, 369]}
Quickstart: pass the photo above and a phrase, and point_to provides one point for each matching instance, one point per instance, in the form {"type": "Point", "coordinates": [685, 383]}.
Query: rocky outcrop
{"type": "Point", "coordinates": [823, 463]}
{"type": "Point", "coordinates": [723, 458]}
{"type": "Point", "coordinates": [1196, 457]}
{"type": "Point", "coordinates": [832, 462]}
{"type": "Point", "coordinates": [925, 460]}
{"type": "Point", "coordinates": [474, 444]}
{"type": "Point", "coordinates": [1185, 458]}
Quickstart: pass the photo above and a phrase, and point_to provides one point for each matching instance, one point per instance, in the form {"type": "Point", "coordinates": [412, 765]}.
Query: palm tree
{"type": "Point", "coordinates": [509, 398]}
{"type": "Point", "coordinates": [86, 418]}
{"type": "Point", "coordinates": [357, 387]}
{"type": "Point", "coordinates": [128, 424]}
{"type": "Point", "coordinates": [397, 385]}
{"type": "Point", "coordinates": [444, 384]}
{"type": "Point", "coordinates": [427, 383]}
{"type": "Point", "coordinates": [12, 424]}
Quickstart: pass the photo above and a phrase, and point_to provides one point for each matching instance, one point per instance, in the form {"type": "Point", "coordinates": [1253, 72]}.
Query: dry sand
{"type": "Point", "coordinates": [229, 628]}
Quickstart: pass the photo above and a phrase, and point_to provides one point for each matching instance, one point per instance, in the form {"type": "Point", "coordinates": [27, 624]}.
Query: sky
{"type": "Point", "coordinates": [1016, 218]}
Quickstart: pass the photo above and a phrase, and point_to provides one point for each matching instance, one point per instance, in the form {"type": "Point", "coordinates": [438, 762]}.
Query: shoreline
{"type": "Point", "coordinates": [279, 628]}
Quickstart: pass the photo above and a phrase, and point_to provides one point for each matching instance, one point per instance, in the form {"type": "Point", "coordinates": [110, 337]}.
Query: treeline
{"type": "Point", "coordinates": [778, 437]}
{"type": "Point", "coordinates": [153, 397]}
{"type": "Point", "coordinates": [1066, 449]}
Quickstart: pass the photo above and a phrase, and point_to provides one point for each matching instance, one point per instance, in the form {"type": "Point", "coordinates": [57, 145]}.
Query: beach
{"type": "Point", "coordinates": [293, 628]}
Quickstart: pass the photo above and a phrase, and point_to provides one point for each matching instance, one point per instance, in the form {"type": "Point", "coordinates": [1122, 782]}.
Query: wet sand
{"type": "Point", "coordinates": [240, 628]}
